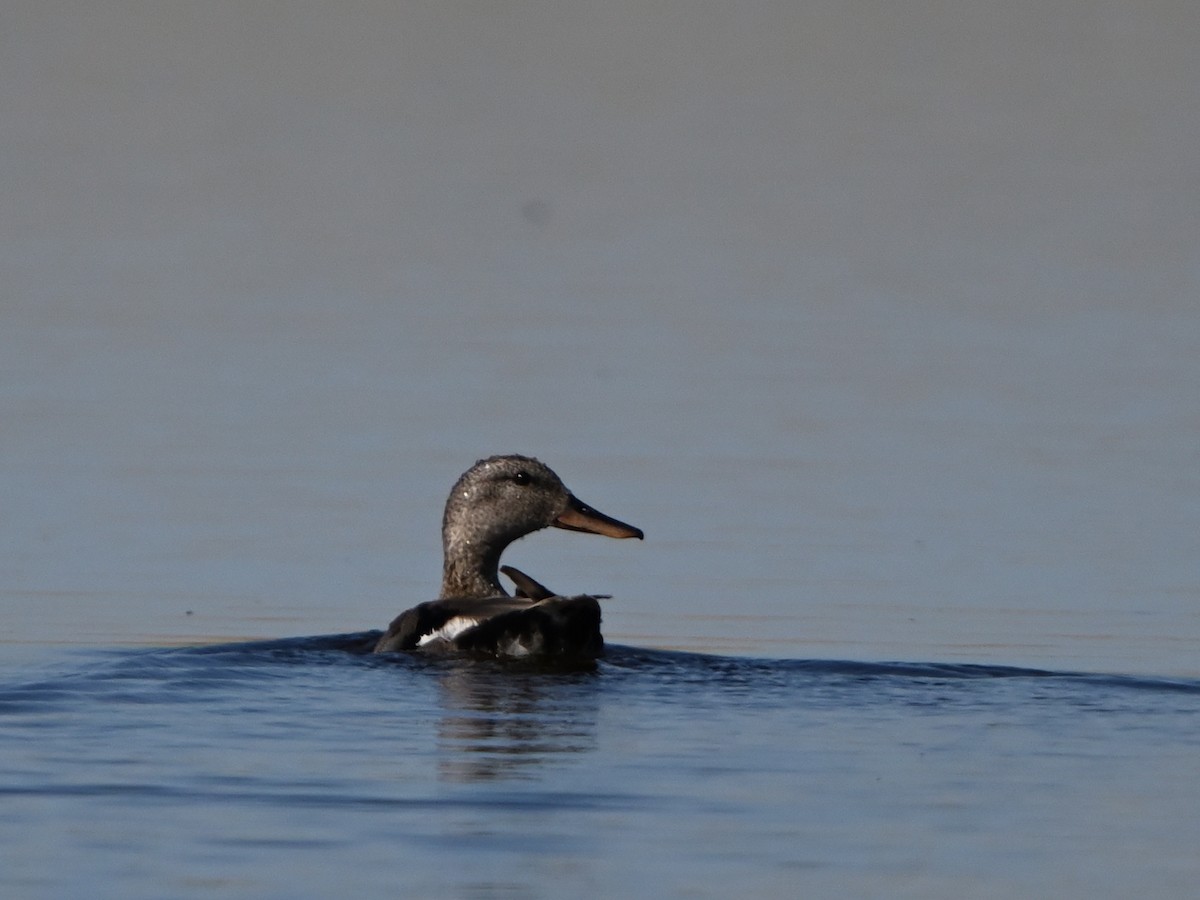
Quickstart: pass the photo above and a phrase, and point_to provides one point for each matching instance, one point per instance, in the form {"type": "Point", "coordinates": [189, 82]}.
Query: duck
{"type": "Point", "coordinates": [499, 500]}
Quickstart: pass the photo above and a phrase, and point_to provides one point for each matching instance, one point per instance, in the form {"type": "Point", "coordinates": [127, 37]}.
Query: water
{"type": "Point", "coordinates": [880, 320]}
{"type": "Point", "coordinates": [306, 768]}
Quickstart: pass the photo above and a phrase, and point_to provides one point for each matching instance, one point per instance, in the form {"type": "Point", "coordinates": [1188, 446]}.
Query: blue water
{"type": "Point", "coordinates": [306, 768]}
{"type": "Point", "coordinates": [880, 319]}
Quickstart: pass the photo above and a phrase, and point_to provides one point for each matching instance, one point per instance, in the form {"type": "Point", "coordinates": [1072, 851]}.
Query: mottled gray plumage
{"type": "Point", "coordinates": [495, 502]}
{"type": "Point", "coordinates": [487, 510]}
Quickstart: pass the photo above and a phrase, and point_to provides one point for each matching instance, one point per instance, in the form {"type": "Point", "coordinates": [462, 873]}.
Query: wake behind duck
{"type": "Point", "coordinates": [495, 502]}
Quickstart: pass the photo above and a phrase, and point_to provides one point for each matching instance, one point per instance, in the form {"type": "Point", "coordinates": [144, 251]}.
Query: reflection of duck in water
{"type": "Point", "coordinates": [496, 501]}
{"type": "Point", "coordinates": [502, 719]}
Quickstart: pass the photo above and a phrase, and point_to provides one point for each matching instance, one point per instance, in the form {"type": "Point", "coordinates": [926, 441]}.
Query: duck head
{"type": "Point", "coordinates": [497, 501]}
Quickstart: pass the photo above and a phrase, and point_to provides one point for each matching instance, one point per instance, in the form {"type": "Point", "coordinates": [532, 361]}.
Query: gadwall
{"type": "Point", "coordinates": [495, 502]}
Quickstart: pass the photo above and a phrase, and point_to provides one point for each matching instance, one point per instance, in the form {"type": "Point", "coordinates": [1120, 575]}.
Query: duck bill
{"type": "Point", "coordinates": [581, 517]}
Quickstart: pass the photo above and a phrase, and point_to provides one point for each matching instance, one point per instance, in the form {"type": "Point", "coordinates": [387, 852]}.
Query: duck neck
{"type": "Point", "coordinates": [471, 569]}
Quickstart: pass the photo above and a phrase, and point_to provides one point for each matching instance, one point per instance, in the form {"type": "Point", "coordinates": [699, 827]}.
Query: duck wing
{"type": "Point", "coordinates": [525, 585]}
{"type": "Point", "coordinates": [500, 626]}
{"type": "Point", "coordinates": [557, 626]}
{"type": "Point", "coordinates": [443, 619]}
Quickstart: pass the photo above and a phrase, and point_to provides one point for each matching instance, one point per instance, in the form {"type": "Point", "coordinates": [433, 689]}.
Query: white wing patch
{"type": "Point", "coordinates": [449, 631]}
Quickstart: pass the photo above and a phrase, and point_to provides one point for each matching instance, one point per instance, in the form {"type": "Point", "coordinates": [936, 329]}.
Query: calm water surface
{"type": "Point", "coordinates": [880, 319]}
{"type": "Point", "coordinates": [306, 768]}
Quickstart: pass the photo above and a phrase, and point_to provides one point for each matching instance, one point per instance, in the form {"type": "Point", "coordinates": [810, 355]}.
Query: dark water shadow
{"type": "Point", "coordinates": [483, 720]}
{"type": "Point", "coordinates": [676, 663]}
{"type": "Point", "coordinates": [480, 684]}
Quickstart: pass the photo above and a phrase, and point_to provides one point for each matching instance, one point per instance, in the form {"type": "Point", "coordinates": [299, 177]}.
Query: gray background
{"type": "Point", "coordinates": [881, 319]}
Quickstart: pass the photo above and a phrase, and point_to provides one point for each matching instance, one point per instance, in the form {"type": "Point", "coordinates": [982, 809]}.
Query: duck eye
{"type": "Point", "coordinates": [521, 478]}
